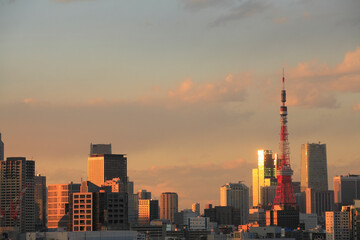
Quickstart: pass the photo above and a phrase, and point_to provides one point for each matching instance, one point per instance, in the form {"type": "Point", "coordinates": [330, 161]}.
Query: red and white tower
{"type": "Point", "coordinates": [284, 188]}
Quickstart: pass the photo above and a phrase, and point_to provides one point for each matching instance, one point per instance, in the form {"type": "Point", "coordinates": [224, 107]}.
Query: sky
{"type": "Point", "coordinates": [188, 89]}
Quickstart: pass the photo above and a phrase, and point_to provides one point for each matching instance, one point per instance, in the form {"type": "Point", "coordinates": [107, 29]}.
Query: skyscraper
{"type": "Point", "coordinates": [1, 149]}
{"type": "Point", "coordinates": [143, 194]}
{"type": "Point", "coordinates": [148, 210]}
{"type": "Point", "coordinates": [236, 195]}
{"type": "Point", "coordinates": [17, 182]}
{"type": "Point", "coordinates": [196, 208]}
{"type": "Point", "coordinates": [314, 167]}
{"type": "Point", "coordinates": [102, 167]}
{"type": "Point", "coordinates": [40, 203]}
{"type": "Point", "coordinates": [168, 205]}
{"type": "Point", "coordinates": [100, 149]}
{"type": "Point", "coordinates": [346, 189]}
{"type": "Point", "coordinates": [263, 176]}
{"type": "Point", "coordinates": [58, 201]}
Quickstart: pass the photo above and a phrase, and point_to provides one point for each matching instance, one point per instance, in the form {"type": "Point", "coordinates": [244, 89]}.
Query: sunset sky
{"type": "Point", "coordinates": [188, 89]}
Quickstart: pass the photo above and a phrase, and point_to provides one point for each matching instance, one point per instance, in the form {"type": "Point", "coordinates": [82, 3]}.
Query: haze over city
{"type": "Point", "coordinates": [189, 90]}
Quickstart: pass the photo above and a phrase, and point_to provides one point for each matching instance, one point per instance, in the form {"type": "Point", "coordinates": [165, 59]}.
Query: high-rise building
{"type": "Point", "coordinates": [168, 205]}
{"type": "Point", "coordinates": [100, 149]}
{"type": "Point", "coordinates": [314, 167]}
{"type": "Point", "coordinates": [196, 208]}
{"type": "Point", "coordinates": [102, 167]}
{"type": "Point", "coordinates": [236, 195]}
{"type": "Point", "coordinates": [1, 149]}
{"type": "Point", "coordinates": [17, 193]}
{"type": "Point", "coordinates": [319, 202]}
{"type": "Point", "coordinates": [58, 202]}
{"type": "Point", "coordinates": [148, 210]}
{"type": "Point", "coordinates": [346, 189]}
{"type": "Point", "coordinates": [133, 204]}
{"type": "Point", "coordinates": [338, 225]}
{"type": "Point", "coordinates": [40, 203]}
{"type": "Point", "coordinates": [181, 218]}
{"type": "Point", "coordinates": [143, 194]}
{"type": "Point", "coordinates": [263, 175]}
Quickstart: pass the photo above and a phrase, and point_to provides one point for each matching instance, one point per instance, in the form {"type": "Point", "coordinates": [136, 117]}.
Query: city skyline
{"type": "Point", "coordinates": [189, 90]}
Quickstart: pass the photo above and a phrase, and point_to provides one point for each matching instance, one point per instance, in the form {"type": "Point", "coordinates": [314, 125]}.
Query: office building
{"type": "Point", "coordinates": [346, 189]}
{"type": "Point", "coordinates": [143, 194]}
{"type": "Point", "coordinates": [40, 203]}
{"type": "Point", "coordinates": [148, 210]}
{"type": "Point", "coordinates": [198, 223]}
{"type": "Point", "coordinates": [102, 167]}
{"type": "Point", "coordinates": [181, 218]}
{"type": "Point", "coordinates": [338, 225]}
{"type": "Point", "coordinates": [196, 208]}
{"type": "Point", "coordinates": [133, 204]}
{"type": "Point", "coordinates": [1, 149]}
{"type": "Point", "coordinates": [319, 202]}
{"type": "Point", "coordinates": [58, 203]}
{"type": "Point", "coordinates": [236, 195]}
{"type": "Point", "coordinates": [100, 149]}
{"type": "Point", "coordinates": [17, 182]}
{"type": "Point", "coordinates": [314, 167]}
{"type": "Point", "coordinates": [168, 206]}
{"type": "Point", "coordinates": [264, 175]}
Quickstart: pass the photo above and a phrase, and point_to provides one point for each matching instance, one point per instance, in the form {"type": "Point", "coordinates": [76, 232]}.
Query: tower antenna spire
{"type": "Point", "coordinates": [283, 80]}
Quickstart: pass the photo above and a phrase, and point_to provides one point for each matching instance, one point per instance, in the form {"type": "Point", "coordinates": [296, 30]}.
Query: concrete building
{"type": "Point", "coordinates": [196, 208]}
{"type": "Point", "coordinates": [58, 202]}
{"type": "Point", "coordinates": [338, 225]}
{"type": "Point", "coordinates": [314, 167]}
{"type": "Point", "coordinates": [133, 204]}
{"type": "Point", "coordinates": [236, 195]}
{"type": "Point", "coordinates": [102, 167]}
{"type": "Point", "coordinates": [148, 210]}
{"type": "Point", "coordinates": [104, 235]}
{"type": "Point", "coordinates": [319, 202]}
{"type": "Point", "coordinates": [2, 154]}
{"type": "Point", "coordinates": [346, 189]}
{"type": "Point", "coordinates": [100, 149]}
{"type": "Point", "coordinates": [264, 175]}
{"type": "Point", "coordinates": [309, 221]}
{"type": "Point", "coordinates": [181, 218]}
{"type": "Point", "coordinates": [16, 176]}
{"type": "Point", "coordinates": [198, 223]}
{"type": "Point", "coordinates": [168, 205]}
{"type": "Point", "coordinates": [143, 194]}
{"type": "Point", "coordinates": [40, 203]}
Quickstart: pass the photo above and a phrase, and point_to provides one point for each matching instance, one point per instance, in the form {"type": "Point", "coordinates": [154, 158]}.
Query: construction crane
{"type": "Point", "coordinates": [15, 204]}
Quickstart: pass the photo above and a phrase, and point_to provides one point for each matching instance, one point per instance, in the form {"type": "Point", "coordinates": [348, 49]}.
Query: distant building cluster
{"type": "Point", "coordinates": [105, 205]}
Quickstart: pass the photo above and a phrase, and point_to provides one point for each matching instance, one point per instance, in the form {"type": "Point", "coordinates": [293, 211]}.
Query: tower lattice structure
{"type": "Point", "coordinates": [284, 188]}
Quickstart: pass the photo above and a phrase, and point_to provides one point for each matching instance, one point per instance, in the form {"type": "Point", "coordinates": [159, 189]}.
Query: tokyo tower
{"type": "Point", "coordinates": [284, 189]}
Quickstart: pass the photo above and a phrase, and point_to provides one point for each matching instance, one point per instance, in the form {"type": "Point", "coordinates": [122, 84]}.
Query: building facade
{"type": "Point", "coordinates": [314, 167]}
{"type": "Point", "coordinates": [58, 203]}
{"type": "Point", "coordinates": [148, 210]}
{"type": "Point", "coordinates": [168, 206]}
{"type": "Point", "coordinates": [103, 167]}
{"type": "Point", "coordinates": [143, 194]}
{"type": "Point", "coordinates": [338, 225]}
{"type": "Point", "coordinates": [236, 195]}
{"type": "Point", "coordinates": [196, 208]}
{"type": "Point", "coordinates": [100, 149]}
{"type": "Point", "coordinates": [40, 203]}
{"type": "Point", "coordinates": [264, 175]}
{"type": "Point", "coordinates": [17, 200]}
{"type": "Point", "coordinates": [346, 189]}
{"type": "Point", "coordinates": [2, 153]}
{"type": "Point", "coordinates": [319, 202]}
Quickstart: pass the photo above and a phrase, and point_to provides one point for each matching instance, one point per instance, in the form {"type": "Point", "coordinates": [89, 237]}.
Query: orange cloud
{"type": "Point", "coordinates": [356, 107]}
{"type": "Point", "coordinates": [229, 89]}
{"type": "Point", "coordinates": [280, 20]}
{"type": "Point", "coordinates": [314, 85]}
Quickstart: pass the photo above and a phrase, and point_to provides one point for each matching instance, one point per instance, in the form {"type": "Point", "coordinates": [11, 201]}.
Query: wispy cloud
{"type": "Point", "coordinates": [244, 10]}
{"type": "Point", "coordinates": [281, 20]}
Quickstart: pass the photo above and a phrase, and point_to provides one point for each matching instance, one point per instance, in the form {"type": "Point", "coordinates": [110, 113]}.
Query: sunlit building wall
{"type": "Point", "coordinates": [263, 176]}
{"type": "Point", "coordinates": [168, 205]}
{"type": "Point", "coordinates": [102, 167]}
{"type": "Point", "coordinates": [314, 167]}
{"type": "Point", "coordinates": [58, 200]}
